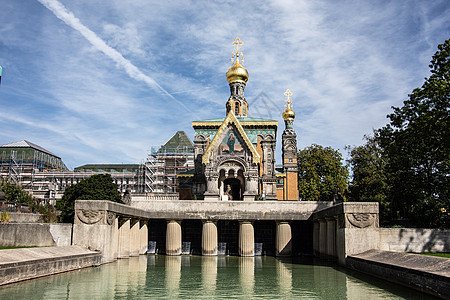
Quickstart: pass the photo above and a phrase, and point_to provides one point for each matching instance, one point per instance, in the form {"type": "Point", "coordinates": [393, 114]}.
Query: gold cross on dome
{"type": "Point", "coordinates": [288, 100]}
{"type": "Point", "coordinates": [237, 45]}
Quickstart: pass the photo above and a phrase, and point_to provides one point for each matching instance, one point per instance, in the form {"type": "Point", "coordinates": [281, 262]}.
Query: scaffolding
{"type": "Point", "coordinates": [164, 164]}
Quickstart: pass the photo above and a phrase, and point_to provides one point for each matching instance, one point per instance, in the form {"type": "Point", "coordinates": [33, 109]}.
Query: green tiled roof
{"type": "Point", "coordinates": [107, 168]}
{"type": "Point", "coordinates": [178, 143]}
{"type": "Point", "coordinates": [241, 119]}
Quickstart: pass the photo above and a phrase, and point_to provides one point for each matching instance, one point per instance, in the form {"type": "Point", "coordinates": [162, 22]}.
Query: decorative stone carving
{"type": "Point", "coordinates": [361, 220]}
{"type": "Point", "coordinates": [90, 216]}
{"type": "Point", "coordinates": [110, 218]}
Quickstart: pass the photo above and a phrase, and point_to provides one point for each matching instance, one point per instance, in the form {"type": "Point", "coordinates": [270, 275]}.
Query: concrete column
{"type": "Point", "coordinates": [124, 238]}
{"type": "Point", "coordinates": [209, 238]}
{"type": "Point", "coordinates": [316, 238]}
{"type": "Point", "coordinates": [134, 237]}
{"type": "Point", "coordinates": [322, 237]}
{"type": "Point", "coordinates": [284, 239]}
{"type": "Point", "coordinates": [143, 236]}
{"type": "Point", "coordinates": [173, 237]}
{"type": "Point", "coordinates": [246, 239]}
{"type": "Point", "coordinates": [331, 237]}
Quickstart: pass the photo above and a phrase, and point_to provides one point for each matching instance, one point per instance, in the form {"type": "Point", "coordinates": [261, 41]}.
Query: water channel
{"type": "Point", "coordinates": [222, 277]}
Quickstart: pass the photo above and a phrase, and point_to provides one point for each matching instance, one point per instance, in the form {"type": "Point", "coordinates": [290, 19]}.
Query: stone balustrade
{"type": "Point", "coordinates": [116, 230]}
{"type": "Point", "coordinates": [120, 231]}
{"type": "Point", "coordinates": [345, 229]}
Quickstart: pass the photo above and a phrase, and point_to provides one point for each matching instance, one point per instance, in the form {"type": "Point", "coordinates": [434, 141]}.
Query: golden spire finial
{"type": "Point", "coordinates": [237, 50]}
{"type": "Point", "coordinates": [288, 100]}
{"type": "Point", "coordinates": [289, 114]}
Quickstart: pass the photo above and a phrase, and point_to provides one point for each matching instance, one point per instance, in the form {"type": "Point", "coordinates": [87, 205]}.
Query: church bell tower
{"type": "Point", "coordinates": [289, 140]}
{"type": "Point", "coordinates": [237, 77]}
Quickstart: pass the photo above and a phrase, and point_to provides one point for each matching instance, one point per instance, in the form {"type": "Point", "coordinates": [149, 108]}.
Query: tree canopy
{"type": "Point", "coordinates": [413, 150]}
{"type": "Point", "coordinates": [321, 174]}
{"type": "Point", "coordinates": [14, 193]}
{"type": "Point", "coordinates": [96, 187]}
{"type": "Point", "coordinates": [369, 183]}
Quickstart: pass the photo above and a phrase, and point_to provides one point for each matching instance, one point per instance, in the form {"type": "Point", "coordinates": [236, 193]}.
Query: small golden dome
{"type": "Point", "coordinates": [237, 73]}
{"type": "Point", "coordinates": [288, 114]}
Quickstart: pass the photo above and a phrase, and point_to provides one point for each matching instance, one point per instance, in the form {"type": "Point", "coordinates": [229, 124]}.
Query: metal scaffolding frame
{"type": "Point", "coordinates": [164, 164]}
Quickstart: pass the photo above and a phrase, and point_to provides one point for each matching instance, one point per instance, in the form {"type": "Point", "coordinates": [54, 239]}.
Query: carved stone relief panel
{"type": "Point", "coordinates": [90, 216]}
{"type": "Point", "coordinates": [361, 220]}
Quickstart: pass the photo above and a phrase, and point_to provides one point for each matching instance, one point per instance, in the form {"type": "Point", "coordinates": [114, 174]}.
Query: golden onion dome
{"type": "Point", "coordinates": [288, 114]}
{"type": "Point", "coordinates": [237, 73]}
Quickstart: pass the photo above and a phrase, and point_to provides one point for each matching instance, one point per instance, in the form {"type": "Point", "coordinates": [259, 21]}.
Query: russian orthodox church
{"type": "Point", "coordinates": [235, 155]}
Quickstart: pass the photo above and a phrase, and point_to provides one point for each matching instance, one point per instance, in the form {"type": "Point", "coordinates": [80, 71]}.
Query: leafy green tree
{"type": "Point", "coordinates": [416, 143]}
{"type": "Point", "coordinates": [369, 183]}
{"type": "Point", "coordinates": [96, 187]}
{"type": "Point", "coordinates": [321, 174]}
{"type": "Point", "coordinates": [15, 193]}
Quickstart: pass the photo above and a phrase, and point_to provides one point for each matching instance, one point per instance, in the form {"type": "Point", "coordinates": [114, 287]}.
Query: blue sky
{"type": "Point", "coordinates": [99, 81]}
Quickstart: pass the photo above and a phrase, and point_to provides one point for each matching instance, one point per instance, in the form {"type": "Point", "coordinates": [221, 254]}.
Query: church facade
{"type": "Point", "coordinates": [235, 155]}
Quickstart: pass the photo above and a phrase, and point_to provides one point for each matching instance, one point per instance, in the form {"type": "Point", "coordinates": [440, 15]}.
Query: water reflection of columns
{"type": "Point", "coordinates": [284, 239]}
{"type": "Point", "coordinates": [209, 274]}
{"type": "Point", "coordinates": [173, 275]}
{"type": "Point", "coordinates": [173, 237]}
{"type": "Point", "coordinates": [209, 238]}
{"type": "Point", "coordinates": [246, 239]}
{"type": "Point", "coordinates": [247, 275]}
{"type": "Point", "coordinates": [284, 279]}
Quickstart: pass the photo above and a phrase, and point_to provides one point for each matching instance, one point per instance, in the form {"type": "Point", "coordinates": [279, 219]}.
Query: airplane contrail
{"type": "Point", "coordinates": [61, 12]}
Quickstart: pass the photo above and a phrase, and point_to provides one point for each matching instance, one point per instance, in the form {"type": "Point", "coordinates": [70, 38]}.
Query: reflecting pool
{"type": "Point", "coordinates": [197, 277]}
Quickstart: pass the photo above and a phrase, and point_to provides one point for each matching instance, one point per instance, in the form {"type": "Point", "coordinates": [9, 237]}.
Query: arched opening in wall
{"type": "Point", "coordinates": [233, 188]}
{"type": "Point", "coordinates": [265, 233]}
{"type": "Point", "coordinates": [228, 233]}
{"type": "Point", "coordinates": [190, 230]}
{"type": "Point", "coordinates": [157, 234]}
{"type": "Point", "coordinates": [302, 238]}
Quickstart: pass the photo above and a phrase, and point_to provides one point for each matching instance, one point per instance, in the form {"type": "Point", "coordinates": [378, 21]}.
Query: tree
{"type": "Point", "coordinates": [369, 183]}
{"type": "Point", "coordinates": [96, 187]}
{"type": "Point", "coordinates": [15, 193]}
{"type": "Point", "coordinates": [321, 174]}
{"type": "Point", "coordinates": [416, 143]}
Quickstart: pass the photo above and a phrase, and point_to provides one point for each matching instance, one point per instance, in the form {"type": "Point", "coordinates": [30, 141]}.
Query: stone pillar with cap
{"type": "Point", "coordinates": [173, 237]}
{"type": "Point", "coordinates": [246, 239]}
{"type": "Point", "coordinates": [209, 238]}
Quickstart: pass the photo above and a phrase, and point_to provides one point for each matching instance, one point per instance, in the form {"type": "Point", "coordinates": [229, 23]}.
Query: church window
{"type": "Point", "coordinates": [236, 108]}
{"type": "Point", "coordinates": [244, 109]}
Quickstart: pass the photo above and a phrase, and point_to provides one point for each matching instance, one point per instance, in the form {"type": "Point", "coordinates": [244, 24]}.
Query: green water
{"type": "Point", "coordinates": [196, 277]}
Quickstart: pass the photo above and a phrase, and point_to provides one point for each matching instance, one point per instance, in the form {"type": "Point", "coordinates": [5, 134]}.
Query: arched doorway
{"type": "Point", "coordinates": [232, 187]}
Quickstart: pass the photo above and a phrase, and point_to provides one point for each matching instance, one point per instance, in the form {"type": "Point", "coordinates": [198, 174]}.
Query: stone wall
{"type": "Point", "coordinates": [24, 218]}
{"type": "Point", "coordinates": [35, 234]}
{"type": "Point", "coordinates": [345, 229]}
{"type": "Point", "coordinates": [230, 210]}
{"type": "Point", "coordinates": [27, 263]}
{"type": "Point", "coordinates": [424, 273]}
{"type": "Point", "coordinates": [414, 240]}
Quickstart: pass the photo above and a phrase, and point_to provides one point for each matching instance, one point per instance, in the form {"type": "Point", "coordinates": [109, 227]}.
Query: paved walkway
{"type": "Point", "coordinates": [8, 256]}
{"type": "Point", "coordinates": [426, 273]}
{"type": "Point", "coordinates": [27, 263]}
{"type": "Point", "coordinates": [424, 263]}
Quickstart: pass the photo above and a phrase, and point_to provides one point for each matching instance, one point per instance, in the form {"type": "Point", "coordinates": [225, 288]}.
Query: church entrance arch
{"type": "Point", "coordinates": [233, 188]}
{"type": "Point", "coordinates": [231, 180]}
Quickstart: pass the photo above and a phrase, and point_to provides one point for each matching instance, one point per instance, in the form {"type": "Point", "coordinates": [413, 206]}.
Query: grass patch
{"type": "Point", "coordinates": [446, 255]}
{"type": "Point", "coordinates": [16, 247]}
